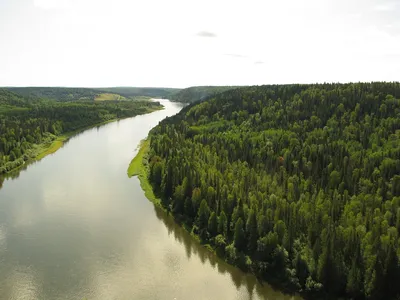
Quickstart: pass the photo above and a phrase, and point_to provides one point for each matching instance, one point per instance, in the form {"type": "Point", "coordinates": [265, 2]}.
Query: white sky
{"type": "Point", "coordinates": [180, 43]}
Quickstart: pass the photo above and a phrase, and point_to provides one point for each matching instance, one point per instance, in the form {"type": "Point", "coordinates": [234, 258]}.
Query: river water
{"type": "Point", "coordinates": [74, 226]}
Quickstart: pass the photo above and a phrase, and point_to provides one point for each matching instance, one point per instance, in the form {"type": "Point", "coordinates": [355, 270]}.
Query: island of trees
{"type": "Point", "coordinates": [29, 124]}
{"type": "Point", "coordinates": [299, 184]}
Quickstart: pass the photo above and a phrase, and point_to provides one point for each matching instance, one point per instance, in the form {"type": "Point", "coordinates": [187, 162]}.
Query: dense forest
{"type": "Point", "coordinates": [26, 122]}
{"type": "Point", "coordinates": [56, 93]}
{"type": "Point", "coordinates": [299, 184]}
{"type": "Point", "coordinates": [74, 94]}
{"type": "Point", "coordinates": [198, 93]}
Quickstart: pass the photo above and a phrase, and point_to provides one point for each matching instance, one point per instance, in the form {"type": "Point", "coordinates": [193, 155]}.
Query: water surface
{"type": "Point", "coordinates": [74, 226]}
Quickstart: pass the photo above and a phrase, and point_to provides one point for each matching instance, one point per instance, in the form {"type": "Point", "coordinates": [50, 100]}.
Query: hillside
{"type": "Point", "coordinates": [138, 91]}
{"type": "Point", "coordinates": [90, 94]}
{"type": "Point", "coordinates": [198, 93]}
{"type": "Point", "coordinates": [56, 93]}
{"type": "Point", "coordinates": [299, 184]}
{"type": "Point", "coordinates": [29, 126]}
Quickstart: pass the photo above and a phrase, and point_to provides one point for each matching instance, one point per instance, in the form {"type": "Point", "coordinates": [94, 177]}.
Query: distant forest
{"type": "Point", "coordinates": [198, 93]}
{"type": "Point", "coordinates": [136, 91]}
{"type": "Point", "coordinates": [299, 184]}
{"type": "Point", "coordinates": [28, 121]}
{"type": "Point", "coordinates": [74, 94]}
{"type": "Point", "coordinates": [188, 95]}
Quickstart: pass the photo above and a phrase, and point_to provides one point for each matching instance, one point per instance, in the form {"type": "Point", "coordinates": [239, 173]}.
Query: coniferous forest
{"type": "Point", "coordinates": [28, 121]}
{"type": "Point", "coordinates": [197, 93]}
{"type": "Point", "coordinates": [73, 94]}
{"type": "Point", "coordinates": [299, 184]}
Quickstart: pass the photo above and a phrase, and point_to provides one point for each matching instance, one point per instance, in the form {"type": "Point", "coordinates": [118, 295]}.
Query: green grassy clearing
{"type": "Point", "coordinates": [108, 97]}
{"type": "Point", "coordinates": [139, 167]}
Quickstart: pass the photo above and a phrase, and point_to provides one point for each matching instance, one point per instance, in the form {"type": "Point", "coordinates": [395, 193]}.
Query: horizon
{"type": "Point", "coordinates": [181, 88]}
{"type": "Point", "coordinates": [88, 43]}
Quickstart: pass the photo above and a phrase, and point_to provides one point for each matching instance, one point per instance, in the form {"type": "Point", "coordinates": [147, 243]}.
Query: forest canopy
{"type": "Point", "coordinates": [298, 183]}
{"type": "Point", "coordinates": [198, 93]}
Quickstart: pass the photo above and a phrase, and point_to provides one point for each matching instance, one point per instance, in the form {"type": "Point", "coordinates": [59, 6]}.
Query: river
{"type": "Point", "coordinates": [74, 226]}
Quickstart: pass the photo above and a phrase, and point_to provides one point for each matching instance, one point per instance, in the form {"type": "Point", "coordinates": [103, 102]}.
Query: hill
{"type": "Point", "coordinates": [299, 184]}
{"type": "Point", "coordinates": [56, 93]}
{"type": "Point", "coordinates": [198, 93]}
{"type": "Point", "coordinates": [138, 91]}
{"type": "Point", "coordinates": [90, 94]}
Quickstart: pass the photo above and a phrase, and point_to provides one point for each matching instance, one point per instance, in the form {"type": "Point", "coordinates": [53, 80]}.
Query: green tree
{"type": "Point", "coordinates": [203, 215]}
{"type": "Point", "coordinates": [223, 224]}
{"type": "Point", "coordinates": [251, 231]}
{"type": "Point", "coordinates": [212, 224]}
{"type": "Point", "coordinates": [239, 235]}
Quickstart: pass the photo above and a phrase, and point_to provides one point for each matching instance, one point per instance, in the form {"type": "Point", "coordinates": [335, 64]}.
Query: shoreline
{"type": "Point", "coordinates": [139, 167]}
{"type": "Point", "coordinates": [44, 149]}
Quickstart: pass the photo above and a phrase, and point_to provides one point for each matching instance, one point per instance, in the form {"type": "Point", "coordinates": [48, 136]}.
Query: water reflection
{"type": "Point", "coordinates": [14, 174]}
{"type": "Point", "coordinates": [193, 247]}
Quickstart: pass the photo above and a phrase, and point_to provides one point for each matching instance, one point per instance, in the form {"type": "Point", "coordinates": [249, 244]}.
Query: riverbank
{"type": "Point", "coordinates": [51, 144]}
{"type": "Point", "coordinates": [139, 166]}
{"type": "Point", "coordinates": [50, 148]}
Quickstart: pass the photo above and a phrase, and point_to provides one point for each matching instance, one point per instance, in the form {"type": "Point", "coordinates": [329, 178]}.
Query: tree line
{"type": "Point", "coordinates": [299, 184]}
{"type": "Point", "coordinates": [74, 94]}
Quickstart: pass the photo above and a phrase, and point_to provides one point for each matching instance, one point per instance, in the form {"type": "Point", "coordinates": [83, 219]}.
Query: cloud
{"type": "Point", "coordinates": [235, 55]}
{"type": "Point", "coordinates": [392, 29]}
{"type": "Point", "coordinates": [207, 34]}
{"type": "Point", "coordinates": [385, 16]}
{"type": "Point", "coordinates": [52, 4]}
{"type": "Point", "coordinates": [388, 6]}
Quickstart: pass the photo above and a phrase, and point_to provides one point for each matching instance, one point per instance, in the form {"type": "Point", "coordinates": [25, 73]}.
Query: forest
{"type": "Point", "coordinates": [198, 93]}
{"type": "Point", "coordinates": [299, 184]}
{"type": "Point", "coordinates": [27, 123]}
{"type": "Point", "coordinates": [56, 93]}
{"type": "Point", "coordinates": [130, 92]}
{"type": "Point", "coordinates": [75, 94]}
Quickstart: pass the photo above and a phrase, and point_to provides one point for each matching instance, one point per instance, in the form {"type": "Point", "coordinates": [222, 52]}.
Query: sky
{"type": "Point", "coordinates": [181, 43]}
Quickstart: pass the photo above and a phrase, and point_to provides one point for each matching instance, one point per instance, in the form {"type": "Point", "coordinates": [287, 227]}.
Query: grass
{"type": "Point", "coordinates": [116, 97]}
{"type": "Point", "coordinates": [136, 166]}
{"type": "Point", "coordinates": [108, 97]}
{"type": "Point", "coordinates": [139, 167]}
{"type": "Point", "coordinates": [54, 146]}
